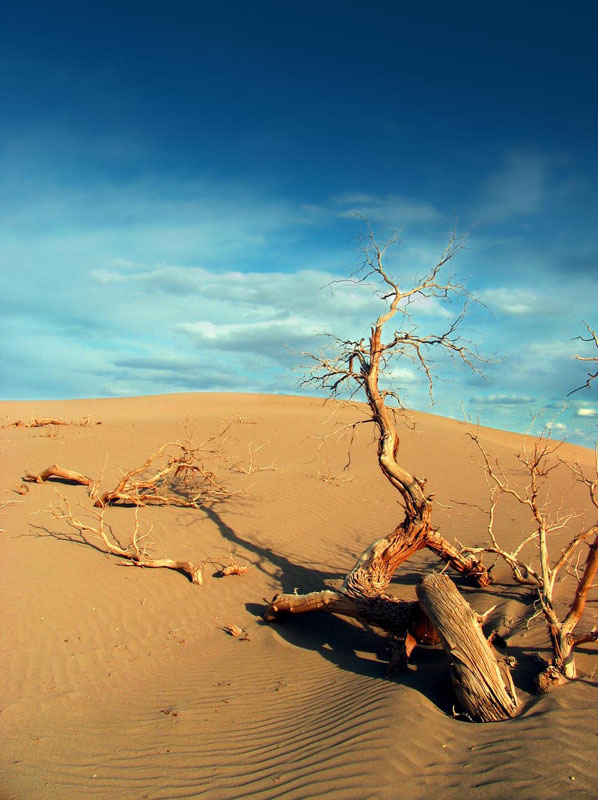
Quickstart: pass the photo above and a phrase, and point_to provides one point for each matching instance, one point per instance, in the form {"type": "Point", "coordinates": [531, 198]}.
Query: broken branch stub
{"type": "Point", "coordinates": [55, 471]}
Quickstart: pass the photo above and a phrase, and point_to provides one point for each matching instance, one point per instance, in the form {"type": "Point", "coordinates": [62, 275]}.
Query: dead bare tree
{"type": "Point", "coordinates": [354, 367]}
{"type": "Point", "coordinates": [530, 562]}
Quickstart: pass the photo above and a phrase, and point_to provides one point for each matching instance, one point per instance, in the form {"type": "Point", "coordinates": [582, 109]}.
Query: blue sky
{"type": "Point", "coordinates": [178, 181]}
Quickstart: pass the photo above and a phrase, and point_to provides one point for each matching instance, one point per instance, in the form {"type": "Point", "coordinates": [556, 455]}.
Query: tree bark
{"type": "Point", "coordinates": [396, 617]}
{"type": "Point", "coordinates": [485, 693]}
{"type": "Point", "coordinates": [54, 471]}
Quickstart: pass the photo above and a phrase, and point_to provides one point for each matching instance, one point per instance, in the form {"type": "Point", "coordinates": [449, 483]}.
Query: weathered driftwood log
{"type": "Point", "coordinates": [484, 691]}
{"type": "Point", "coordinates": [54, 471]}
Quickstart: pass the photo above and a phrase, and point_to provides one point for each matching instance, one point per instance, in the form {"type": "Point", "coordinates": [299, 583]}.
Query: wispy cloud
{"type": "Point", "coordinates": [273, 338]}
{"type": "Point", "coordinates": [518, 187]}
{"type": "Point", "coordinates": [388, 209]}
{"type": "Point", "coordinates": [518, 302]}
{"type": "Point", "coordinates": [503, 400]}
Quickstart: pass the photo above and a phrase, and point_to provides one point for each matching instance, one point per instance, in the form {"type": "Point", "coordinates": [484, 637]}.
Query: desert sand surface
{"type": "Point", "coordinates": [119, 682]}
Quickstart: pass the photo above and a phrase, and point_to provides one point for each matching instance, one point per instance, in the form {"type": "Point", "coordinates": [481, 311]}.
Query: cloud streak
{"type": "Point", "coordinates": [195, 285]}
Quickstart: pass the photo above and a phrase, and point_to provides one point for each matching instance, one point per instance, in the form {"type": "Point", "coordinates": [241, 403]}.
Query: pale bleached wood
{"type": "Point", "coordinates": [484, 691]}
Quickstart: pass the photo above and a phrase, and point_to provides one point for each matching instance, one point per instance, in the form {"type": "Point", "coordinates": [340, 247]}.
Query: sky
{"type": "Point", "coordinates": [179, 185]}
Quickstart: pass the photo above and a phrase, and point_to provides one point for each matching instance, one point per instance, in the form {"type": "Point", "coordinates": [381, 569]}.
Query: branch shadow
{"type": "Point", "coordinates": [289, 574]}
{"type": "Point", "coordinates": [358, 649]}
{"type": "Point", "coordinates": [354, 646]}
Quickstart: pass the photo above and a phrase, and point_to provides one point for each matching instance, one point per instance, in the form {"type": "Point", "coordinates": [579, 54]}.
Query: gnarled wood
{"type": "Point", "coordinates": [485, 693]}
{"type": "Point", "coordinates": [55, 471]}
{"type": "Point", "coordinates": [101, 537]}
{"type": "Point", "coordinates": [396, 617]}
{"type": "Point", "coordinates": [357, 365]}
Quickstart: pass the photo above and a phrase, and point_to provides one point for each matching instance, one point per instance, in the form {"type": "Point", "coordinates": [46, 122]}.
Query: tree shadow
{"type": "Point", "coordinates": [354, 646]}
{"type": "Point", "coordinates": [289, 574]}
{"type": "Point", "coordinates": [357, 648]}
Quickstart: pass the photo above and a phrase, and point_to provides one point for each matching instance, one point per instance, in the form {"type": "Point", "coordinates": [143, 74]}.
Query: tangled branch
{"type": "Point", "coordinates": [174, 475]}
{"type": "Point", "coordinates": [538, 460]}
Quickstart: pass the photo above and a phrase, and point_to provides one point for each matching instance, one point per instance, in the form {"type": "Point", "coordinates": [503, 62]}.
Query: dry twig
{"type": "Point", "coordinates": [592, 338]}
{"type": "Point", "coordinates": [101, 536]}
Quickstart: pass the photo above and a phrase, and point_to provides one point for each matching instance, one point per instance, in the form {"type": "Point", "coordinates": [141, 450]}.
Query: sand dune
{"type": "Point", "coordinates": [121, 682]}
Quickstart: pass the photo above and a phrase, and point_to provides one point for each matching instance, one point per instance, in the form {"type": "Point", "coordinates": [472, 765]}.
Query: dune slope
{"type": "Point", "coordinates": [123, 682]}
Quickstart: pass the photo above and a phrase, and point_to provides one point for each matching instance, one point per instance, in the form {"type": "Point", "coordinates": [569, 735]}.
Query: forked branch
{"type": "Point", "coordinates": [100, 536]}
{"type": "Point", "coordinates": [592, 338]}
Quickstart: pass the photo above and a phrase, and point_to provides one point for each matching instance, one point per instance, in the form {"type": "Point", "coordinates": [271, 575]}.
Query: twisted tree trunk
{"type": "Point", "coordinates": [359, 363]}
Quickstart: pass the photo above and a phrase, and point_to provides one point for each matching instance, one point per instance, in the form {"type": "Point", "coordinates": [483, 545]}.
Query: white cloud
{"type": "Point", "coordinates": [503, 400]}
{"type": "Point", "coordinates": [270, 337]}
{"type": "Point", "coordinates": [587, 412]}
{"type": "Point", "coordinates": [516, 302]}
{"type": "Point", "coordinates": [403, 375]}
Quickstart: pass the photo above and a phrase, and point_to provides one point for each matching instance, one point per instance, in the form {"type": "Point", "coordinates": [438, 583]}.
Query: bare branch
{"type": "Point", "coordinates": [100, 536]}
{"type": "Point", "coordinates": [593, 338]}
{"type": "Point", "coordinates": [54, 471]}
{"type": "Point", "coordinates": [539, 460]}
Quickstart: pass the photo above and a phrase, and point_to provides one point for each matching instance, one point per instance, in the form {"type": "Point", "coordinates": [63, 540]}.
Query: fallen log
{"type": "Point", "coordinates": [485, 692]}
{"type": "Point", "coordinates": [55, 471]}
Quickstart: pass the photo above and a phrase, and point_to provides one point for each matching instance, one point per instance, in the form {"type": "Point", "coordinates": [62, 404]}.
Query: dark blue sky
{"type": "Point", "coordinates": [388, 94]}
{"type": "Point", "coordinates": [238, 139]}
